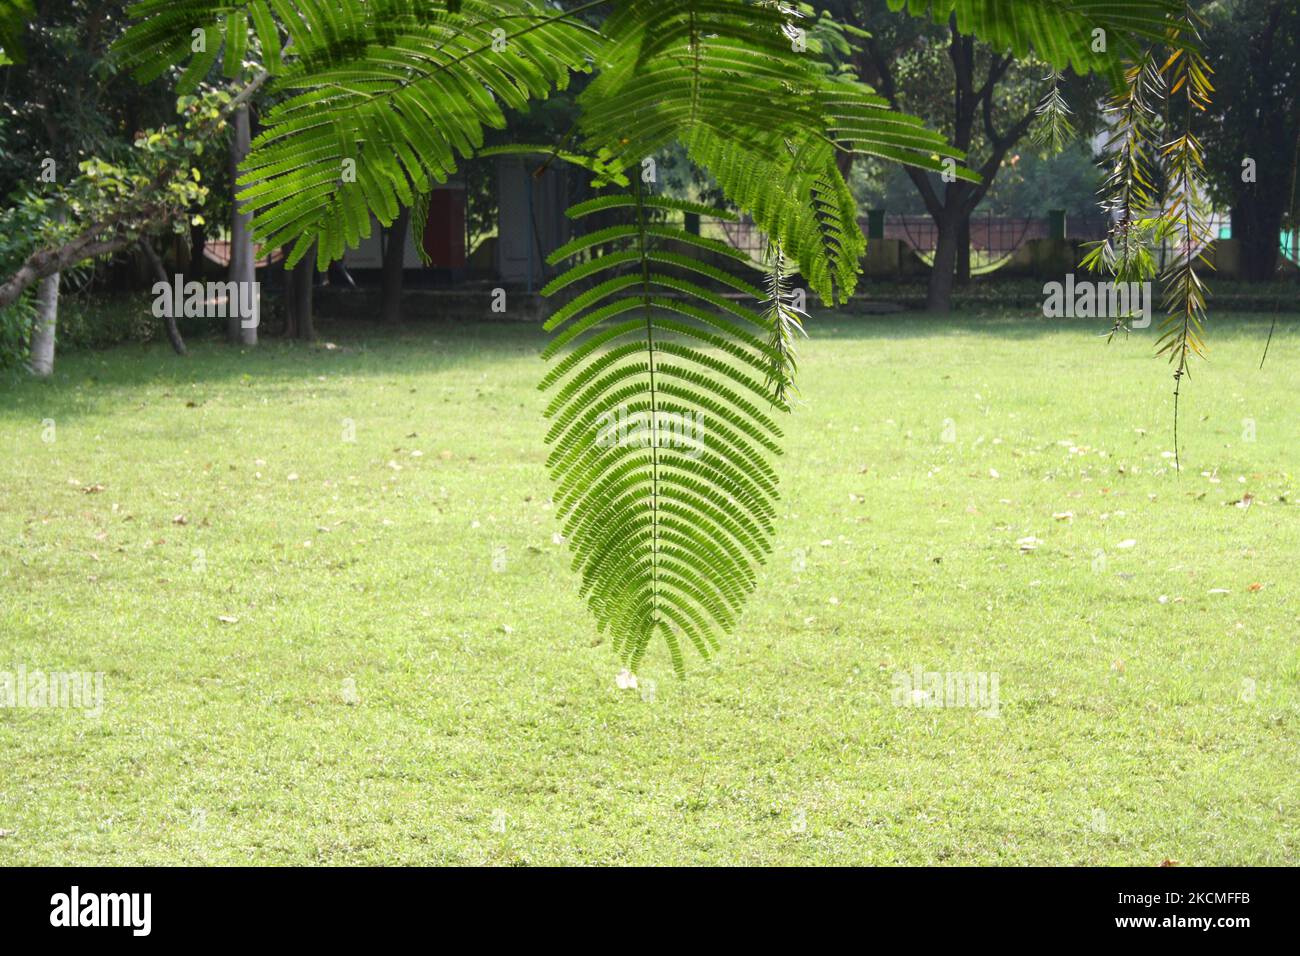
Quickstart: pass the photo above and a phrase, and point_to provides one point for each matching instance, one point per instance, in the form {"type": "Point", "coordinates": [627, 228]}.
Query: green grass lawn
{"type": "Point", "coordinates": [355, 652]}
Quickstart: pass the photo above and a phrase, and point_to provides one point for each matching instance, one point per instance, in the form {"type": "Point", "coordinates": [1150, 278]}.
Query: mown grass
{"type": "Point", "coordinates": [1141, 718]}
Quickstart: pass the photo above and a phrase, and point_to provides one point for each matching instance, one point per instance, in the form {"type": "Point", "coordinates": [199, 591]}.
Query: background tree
{"type": "Point", "coordinates": [1255, 54]}
{"type": "Point", "coordinates": [984, 101]}
{"type": "Point", "coordinates": [395, 238]}
{"type": "Point", "coordinates": [63, 102]}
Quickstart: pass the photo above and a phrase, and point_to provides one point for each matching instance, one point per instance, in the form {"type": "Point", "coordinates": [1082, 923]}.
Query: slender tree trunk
{"type": "Point", "coordinates": [173, 333]}
{"type": "Point", "coordinates": [198, 245]}
{"type": "Point", "coordinates": [394, 260]}
{"type": "Point", "coordinates": [43, 329]}
{"type": "Point", "coordinates": [939, 295]}
{"type": "Point", "coordinates": [243, 264]}
{"type": "Point", "coordinates": [286, 284]}
{"type": "Point", "coordinates": [304, 277]}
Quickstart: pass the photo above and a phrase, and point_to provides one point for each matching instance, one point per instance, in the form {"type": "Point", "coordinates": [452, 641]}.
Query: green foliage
{"type": "Point", "coordinates": [386, 95]}
{"type": "Point", "coordinates": [660, 429]}
{"type": "Point", "coordinates": [14, 15]}
{"type": "Point", "coordinates": [16, 331]}
{"type": "Point", "coordinates": [105, 201]}
{"type": "Point", "coordinates": [66, 101]}
{"type": "Point", "coordinates": [785, 320]}
{"type": "Point", "coordinates": [1061, 32]}
{"type": "Point", "coordinates": [1053, 128]}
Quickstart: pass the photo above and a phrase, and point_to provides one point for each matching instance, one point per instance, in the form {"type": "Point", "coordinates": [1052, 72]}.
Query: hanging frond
{"type": "Point", "coordinates": [1128, 192]}
{"type": "Point", "coordinates": [660, 427]}
{"type": "Point", "coordinates": [1053, 128]}
{"type": "Point", "coordinates": [1186, 214]}
{"type": "Point", "coordinates": [785, 320]}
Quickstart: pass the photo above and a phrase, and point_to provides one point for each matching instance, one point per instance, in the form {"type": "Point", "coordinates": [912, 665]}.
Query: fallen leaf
{"type": "Point", "coordinates": [180, 519]}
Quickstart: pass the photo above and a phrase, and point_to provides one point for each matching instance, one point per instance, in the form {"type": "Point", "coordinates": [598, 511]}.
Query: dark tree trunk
{"type": "Point", "coordinates": [1257, 224]}
{"type": "Point", "coordinates": [939, 295]}
{"type": "Point", "coordinates": [198, 245]}
{"type": "Point", "coordinates": [394, 254]}
{"type": "Point", "coordinates": [304, 279]}
{"type": "Point", "coordinates": [963, 249]}
{"type": "Point", "coordinates": [286, 286]}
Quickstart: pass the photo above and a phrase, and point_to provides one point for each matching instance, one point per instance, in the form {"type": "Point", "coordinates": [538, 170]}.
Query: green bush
{"type": "Point", "coordinates": [15, 333]}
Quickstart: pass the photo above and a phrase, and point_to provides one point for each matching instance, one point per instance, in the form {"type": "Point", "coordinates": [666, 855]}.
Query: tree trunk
{"type": "Point", "coordinates": [1257, 225]}
{"type": "Point", "coordinates": [394, 256]}
{"type": "Point", "coordinates": [304, 277]}
{"type": "Point", "coordinates": [243, 264]}
{"type": "Point", "coordinates": [43, 329]}
{"type": "Point", "coordinates": [173, 333]}
{"type": "Point", "coordinates": [286, 282]}
{"type": "Point", "coordinates": [939, 295]}
{"type": "Point", "coordinates": [198, 245]}
{"type": "Point", "coordinates": [963, 249]}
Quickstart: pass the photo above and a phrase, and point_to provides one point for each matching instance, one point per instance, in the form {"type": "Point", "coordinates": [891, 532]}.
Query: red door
{"type": "Point", "coordinates": [444, 233]}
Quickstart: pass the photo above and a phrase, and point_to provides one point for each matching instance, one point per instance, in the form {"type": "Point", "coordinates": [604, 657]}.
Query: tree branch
{"type": "Point", "coordinates": [886, 86]}
{"type": "Point", "coordinates": [134, 219]}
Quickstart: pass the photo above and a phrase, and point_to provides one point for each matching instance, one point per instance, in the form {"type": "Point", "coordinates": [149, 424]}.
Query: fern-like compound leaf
{"type": "Point", "coordinates": [662, 426]}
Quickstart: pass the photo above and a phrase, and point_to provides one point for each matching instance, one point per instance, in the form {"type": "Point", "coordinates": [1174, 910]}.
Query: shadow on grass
{"type": "Point", "coordinates": [83, 380]}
